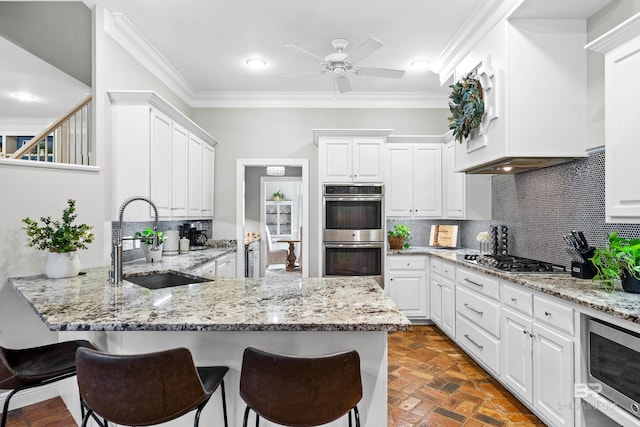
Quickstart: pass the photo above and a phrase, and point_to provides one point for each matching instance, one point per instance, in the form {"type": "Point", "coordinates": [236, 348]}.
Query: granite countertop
{"type": "Point", "coordinates": [585, 292]}
{"type": "Point", "coordinates": [90, 302]}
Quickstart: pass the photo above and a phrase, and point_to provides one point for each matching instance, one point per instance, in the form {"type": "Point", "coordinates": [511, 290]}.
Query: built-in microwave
{"type": "Point", "coordinates": [614, 364]}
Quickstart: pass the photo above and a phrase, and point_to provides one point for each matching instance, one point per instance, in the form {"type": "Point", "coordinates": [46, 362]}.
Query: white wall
{"type": "Point", "coordinates": [287, 133]}
{"type": "Point", "coordinates": [604, 20]}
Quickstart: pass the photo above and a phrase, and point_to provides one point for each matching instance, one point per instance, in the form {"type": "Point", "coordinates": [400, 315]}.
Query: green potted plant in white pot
{"type": "Point", "coordinates": [62, 238]}
{"type": "Point", "coordinates": [146, 237]}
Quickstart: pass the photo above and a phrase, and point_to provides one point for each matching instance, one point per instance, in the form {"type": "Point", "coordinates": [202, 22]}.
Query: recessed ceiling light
{"type": "Point", "coordinates": [22, 96]}
{"type": "Point", "coordinates": [256, 63]}
{"type": "Point", "coordinates": [421, 64]}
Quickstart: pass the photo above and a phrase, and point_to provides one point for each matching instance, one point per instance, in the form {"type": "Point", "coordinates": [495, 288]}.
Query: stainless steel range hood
{"type": "Point", "coordinates": [511, 165]}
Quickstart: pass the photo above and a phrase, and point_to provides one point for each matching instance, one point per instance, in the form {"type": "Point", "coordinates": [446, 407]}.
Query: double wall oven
{"type": "Point", "coordinates": [353, 230]}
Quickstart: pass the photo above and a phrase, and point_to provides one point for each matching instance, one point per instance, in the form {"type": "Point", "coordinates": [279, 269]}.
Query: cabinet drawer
{"type": "Point", "coordinates": [449, 271]}
{"type": "Point", "coordinates": [517, 298]}
{"type": "Point", "coordinates": [479, 343]}
{"type": "Point", "coordinates": [436, 265]}
{"type": "Point", "coordinates": [482, 311]}
{"type": "Point", "coordinates": [400, 262]}
{"type": "Point", "coordinates": [479, 282]}
{"type": "Point", "coordinates": [553, 313]}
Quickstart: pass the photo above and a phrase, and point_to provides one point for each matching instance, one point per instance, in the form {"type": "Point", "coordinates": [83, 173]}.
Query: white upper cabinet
{"type": "Point", "coordinates": [159, 153]}
{"type": "Point", "coordinates": [350, 155]}
{"type": "Point", "coordinates": [465, 196]}
{"type": "Point", "coordinates": [533, 74]}
{"type": "Point", "coordinates": [621, 47]}
{"type": "Point", "coordinates": [413, 179]}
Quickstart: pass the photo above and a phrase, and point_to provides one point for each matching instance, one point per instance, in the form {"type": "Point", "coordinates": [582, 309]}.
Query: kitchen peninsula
{"type": "Point", "coordinates": [216, 320]}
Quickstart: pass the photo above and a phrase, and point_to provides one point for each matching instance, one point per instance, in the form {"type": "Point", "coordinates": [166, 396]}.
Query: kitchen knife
{"type": "Point", "coordinates": [583, 240]}
{"type": "Point", "coordinates": [572, 241]}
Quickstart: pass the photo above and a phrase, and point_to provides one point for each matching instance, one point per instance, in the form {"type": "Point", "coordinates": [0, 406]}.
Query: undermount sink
{"type": "Point", "coordinates": [164, 279]}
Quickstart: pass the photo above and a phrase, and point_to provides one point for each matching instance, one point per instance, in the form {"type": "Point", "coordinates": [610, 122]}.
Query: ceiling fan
{"type": "Point", "coordinates": [341, 64]}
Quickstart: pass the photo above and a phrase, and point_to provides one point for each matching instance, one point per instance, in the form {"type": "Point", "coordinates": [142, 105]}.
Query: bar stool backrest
{"type": "Point", "coordinates": [300, 391]}
{"type": "Point", "coordinates": [139, 390]}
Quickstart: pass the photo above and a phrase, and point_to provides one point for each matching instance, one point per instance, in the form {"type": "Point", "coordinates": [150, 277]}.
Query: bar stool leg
{"type": "Point", "coordinates": [224, 404]}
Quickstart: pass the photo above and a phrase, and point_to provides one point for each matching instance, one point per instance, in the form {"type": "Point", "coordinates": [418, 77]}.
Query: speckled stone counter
{"type": "Point", "coordinates": [89, 302]}
{"type": "Point", "coordinates": [584, 292]}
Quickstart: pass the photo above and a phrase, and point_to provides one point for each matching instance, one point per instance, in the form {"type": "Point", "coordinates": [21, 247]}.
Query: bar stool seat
{"type": "Point", "coordinates": [300, 391]}
{"type": "Point", "coordinates": [26, 368]}
{"type": "Point", "coordinates": [146, 389]}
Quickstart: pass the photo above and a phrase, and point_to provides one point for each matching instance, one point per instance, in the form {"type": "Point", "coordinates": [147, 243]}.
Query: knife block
{"type": "Point", "coordinates": [584, 270]}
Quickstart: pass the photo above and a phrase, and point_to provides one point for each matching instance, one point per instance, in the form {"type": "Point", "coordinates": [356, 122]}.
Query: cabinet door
{"type": "Point", "coordinates": [195, 175]}
{"type": "Point", "coordinates": [517, 353]}
{"type": "Point", "coordinates": [427, 173]}
{"type": "Point", "coordinates": [367, 159]}
{"type": "Point", "coordinates": [208, 159]}
{"type": "Point", "coordinates": [335, 160]}
{"type": "Point", "coordinates": [179, 170]}
{"type": "Point", "coordinates": [553, 375]}
{"type": "Point", "coordinates": [454, 182]}
{"type": "Point", "coordinates": [408, 290]}
{"type": "Point", "coordinates": [436, 300]}
{"type": "Point", "coordinates": [622, 66]}
{"type": "Point", "coordinates": [226, 266]}
{"type": "Point", "coordinates": [448, 308]}
{"type": "Point", "coordinates": [399, 180]}
{"type": "Point", "coordinates": [161, 132]}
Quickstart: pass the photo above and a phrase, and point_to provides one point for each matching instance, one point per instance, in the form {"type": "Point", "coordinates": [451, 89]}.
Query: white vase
{"type": "Point", "coordinates": [63, 264]}
{"type": "Point", "coordinates": [151, 255]}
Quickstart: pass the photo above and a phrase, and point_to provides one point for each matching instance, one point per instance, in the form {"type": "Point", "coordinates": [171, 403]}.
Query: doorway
{"type": "Point", "coordinates": [253, 184]}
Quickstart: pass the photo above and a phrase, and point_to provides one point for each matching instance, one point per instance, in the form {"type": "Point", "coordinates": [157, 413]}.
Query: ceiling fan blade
{"type": "Point", "coordinates": [298, 49]}
{"type": "Point", "coordinates": [304, 73]}
{"type": "Point", "coordinates": [364, 50]}
{"type": "Point", "coordinates": [379, 72]}
{"type": "Point", "coordinates": [343, 84]}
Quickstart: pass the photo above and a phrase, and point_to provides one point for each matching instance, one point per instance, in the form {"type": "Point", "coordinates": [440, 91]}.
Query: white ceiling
{"type": "Point", "coordinates": [201, 46]}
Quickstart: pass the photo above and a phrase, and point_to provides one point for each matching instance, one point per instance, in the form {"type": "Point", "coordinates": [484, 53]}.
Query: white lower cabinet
{"type": "Point", "coordinates": [406, 284]}
{"type": "Point", "coordinates": [442, 296]}
{"type": "Point", "coordinates": [536, 356]}
{"type": "Point", "coordinates": [226, 265]}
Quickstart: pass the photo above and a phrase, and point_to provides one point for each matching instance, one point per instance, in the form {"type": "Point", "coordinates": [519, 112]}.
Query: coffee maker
{"type": "Point", "coordinates": [193, 232]}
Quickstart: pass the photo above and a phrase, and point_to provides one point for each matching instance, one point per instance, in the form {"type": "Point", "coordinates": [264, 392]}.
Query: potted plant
{"type": "Point", "coordinates": [146, 237]}
{"type": "Point", "coordinates": [62, 238]}
{"type": "Point", "coordinates": [399, 237]}
{"type": "Point", "coordinates": [618, 262]}
{"type": "Point", "coordinates": [277, 196]}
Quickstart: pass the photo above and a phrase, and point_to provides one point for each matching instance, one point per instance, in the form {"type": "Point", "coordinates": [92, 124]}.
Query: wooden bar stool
{"type": "Point", "coordinates": [146, 389]}
{"type": "Point", "coordinates": [300, 391]}
{"type": "Point", "coordinates": [36, 366]}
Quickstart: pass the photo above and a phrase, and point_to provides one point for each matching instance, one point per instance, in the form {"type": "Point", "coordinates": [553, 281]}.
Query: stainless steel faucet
{"type": "Point", "coordinates": [115, 275]}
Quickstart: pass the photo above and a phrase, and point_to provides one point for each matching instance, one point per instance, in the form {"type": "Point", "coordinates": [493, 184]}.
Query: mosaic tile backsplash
{"type": "Point", "coordinates": [539, 207]}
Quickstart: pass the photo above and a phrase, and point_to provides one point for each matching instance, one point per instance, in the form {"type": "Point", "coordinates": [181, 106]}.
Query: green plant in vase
{"type": "Point", "coordinates": [399, 237]}
{"type": "Point", "coordinates": [147, 237]}
{"type": "Point", "coordinates": [618, 262]}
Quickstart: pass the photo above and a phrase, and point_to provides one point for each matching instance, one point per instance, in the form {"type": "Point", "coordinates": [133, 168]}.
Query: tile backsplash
{"type": "Point", "coordinates": [539, 207]}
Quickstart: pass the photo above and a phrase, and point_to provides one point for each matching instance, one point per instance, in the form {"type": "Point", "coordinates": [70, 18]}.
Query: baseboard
{"type": "Point", "coordinates": [30, 396]}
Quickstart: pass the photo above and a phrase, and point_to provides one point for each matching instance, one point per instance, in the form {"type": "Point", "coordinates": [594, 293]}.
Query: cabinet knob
{"type": "Point", "coordinates": [408, 264]}
{"type": "Point", "coordinates": [513, 299]}
{"type": "Point", "coordinates": [525, 332]}
{"type": "Point", "coordinates": [391, 279]}
{"type": "Point", "coordinates": [546, 313]}
{"type": "Point", "coordinates": [532, 336]}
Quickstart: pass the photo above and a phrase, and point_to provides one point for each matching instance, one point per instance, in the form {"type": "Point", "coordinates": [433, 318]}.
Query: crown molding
{"type": "Point", "coordinates": [319, 100]}
{"type": "Point", "coordinates": [617, 36]}
{"type": "Point", "coordinates": [485, 16]}
{"type": "Point", "coordinates": [133, 41]}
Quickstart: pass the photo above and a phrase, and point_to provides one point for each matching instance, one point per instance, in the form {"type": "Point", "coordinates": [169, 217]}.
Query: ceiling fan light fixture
{"type": "Point", "coordinates": [421, 64]}
{"type": "Point", "coordinates": [256, 63]}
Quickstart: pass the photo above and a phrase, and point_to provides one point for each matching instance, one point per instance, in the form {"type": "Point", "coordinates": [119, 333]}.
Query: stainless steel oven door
{"type": "Point", "coordinates": [613, 356]}
{"type": "Point", "coordinates": [354, 259]}
{"type": "Point", "coordinates": [353, 219]}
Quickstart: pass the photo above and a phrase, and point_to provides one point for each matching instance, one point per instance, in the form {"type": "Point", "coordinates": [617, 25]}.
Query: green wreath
{"type": "Point", "coordinates": [466, 106]}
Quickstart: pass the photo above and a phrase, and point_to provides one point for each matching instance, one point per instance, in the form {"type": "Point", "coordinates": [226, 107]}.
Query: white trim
{"type": "Point", "coordinates": [241, 164]}
{"type": "Point", "coordinates": [317, 133]}
{"type": "Point", "coordinates": [30, 396]}
{"type": "Point", "coordinates": [618, 35]}
{"type": "Point", "coordinates": [48, 165]}
{"type": "Point", "coordinates": [486, 15]}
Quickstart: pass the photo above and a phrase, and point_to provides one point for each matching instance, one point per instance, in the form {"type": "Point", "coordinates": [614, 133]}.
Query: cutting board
{"type": "Point", "coordinates": [444, 235]}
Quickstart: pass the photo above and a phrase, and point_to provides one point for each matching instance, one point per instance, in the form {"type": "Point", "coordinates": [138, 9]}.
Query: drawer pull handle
{"type": "Point", "coordinates": [473, 342]}
{"type": "Point", "coordinates": [525, 332]}
{"type": "Point", "coordinates": [480, 285]}
{"type": "Point", "coordinates": [513, 299]}
{"type": "Point", "coordinates": [546, 313]}
{"type": "Point", "coordinates": [480, 313]}
{"type": "Point", "coordinates": [532, 336]}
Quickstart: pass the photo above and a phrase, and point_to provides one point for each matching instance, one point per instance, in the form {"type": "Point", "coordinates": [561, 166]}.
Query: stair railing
{"type": "Point", "coordinates": [67, 140]}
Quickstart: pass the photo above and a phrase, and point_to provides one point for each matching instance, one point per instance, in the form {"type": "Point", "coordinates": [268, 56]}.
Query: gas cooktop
{"type": "Point", "coordinates": [515, 264]}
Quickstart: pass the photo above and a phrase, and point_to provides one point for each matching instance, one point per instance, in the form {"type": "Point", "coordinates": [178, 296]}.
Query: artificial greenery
{"type": "Point", "coordinates": [58, 236]}
{"type": "Point", "coordinates": [401, 230]}
{"type": "Point", "coordinates": [466, 106]}
{"type": "Point", "coordinates": [277, 196]}
{"type": "Point", "coordinates": [146, 236]}
{"type": "Point", "coordinates": [619, 260]}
